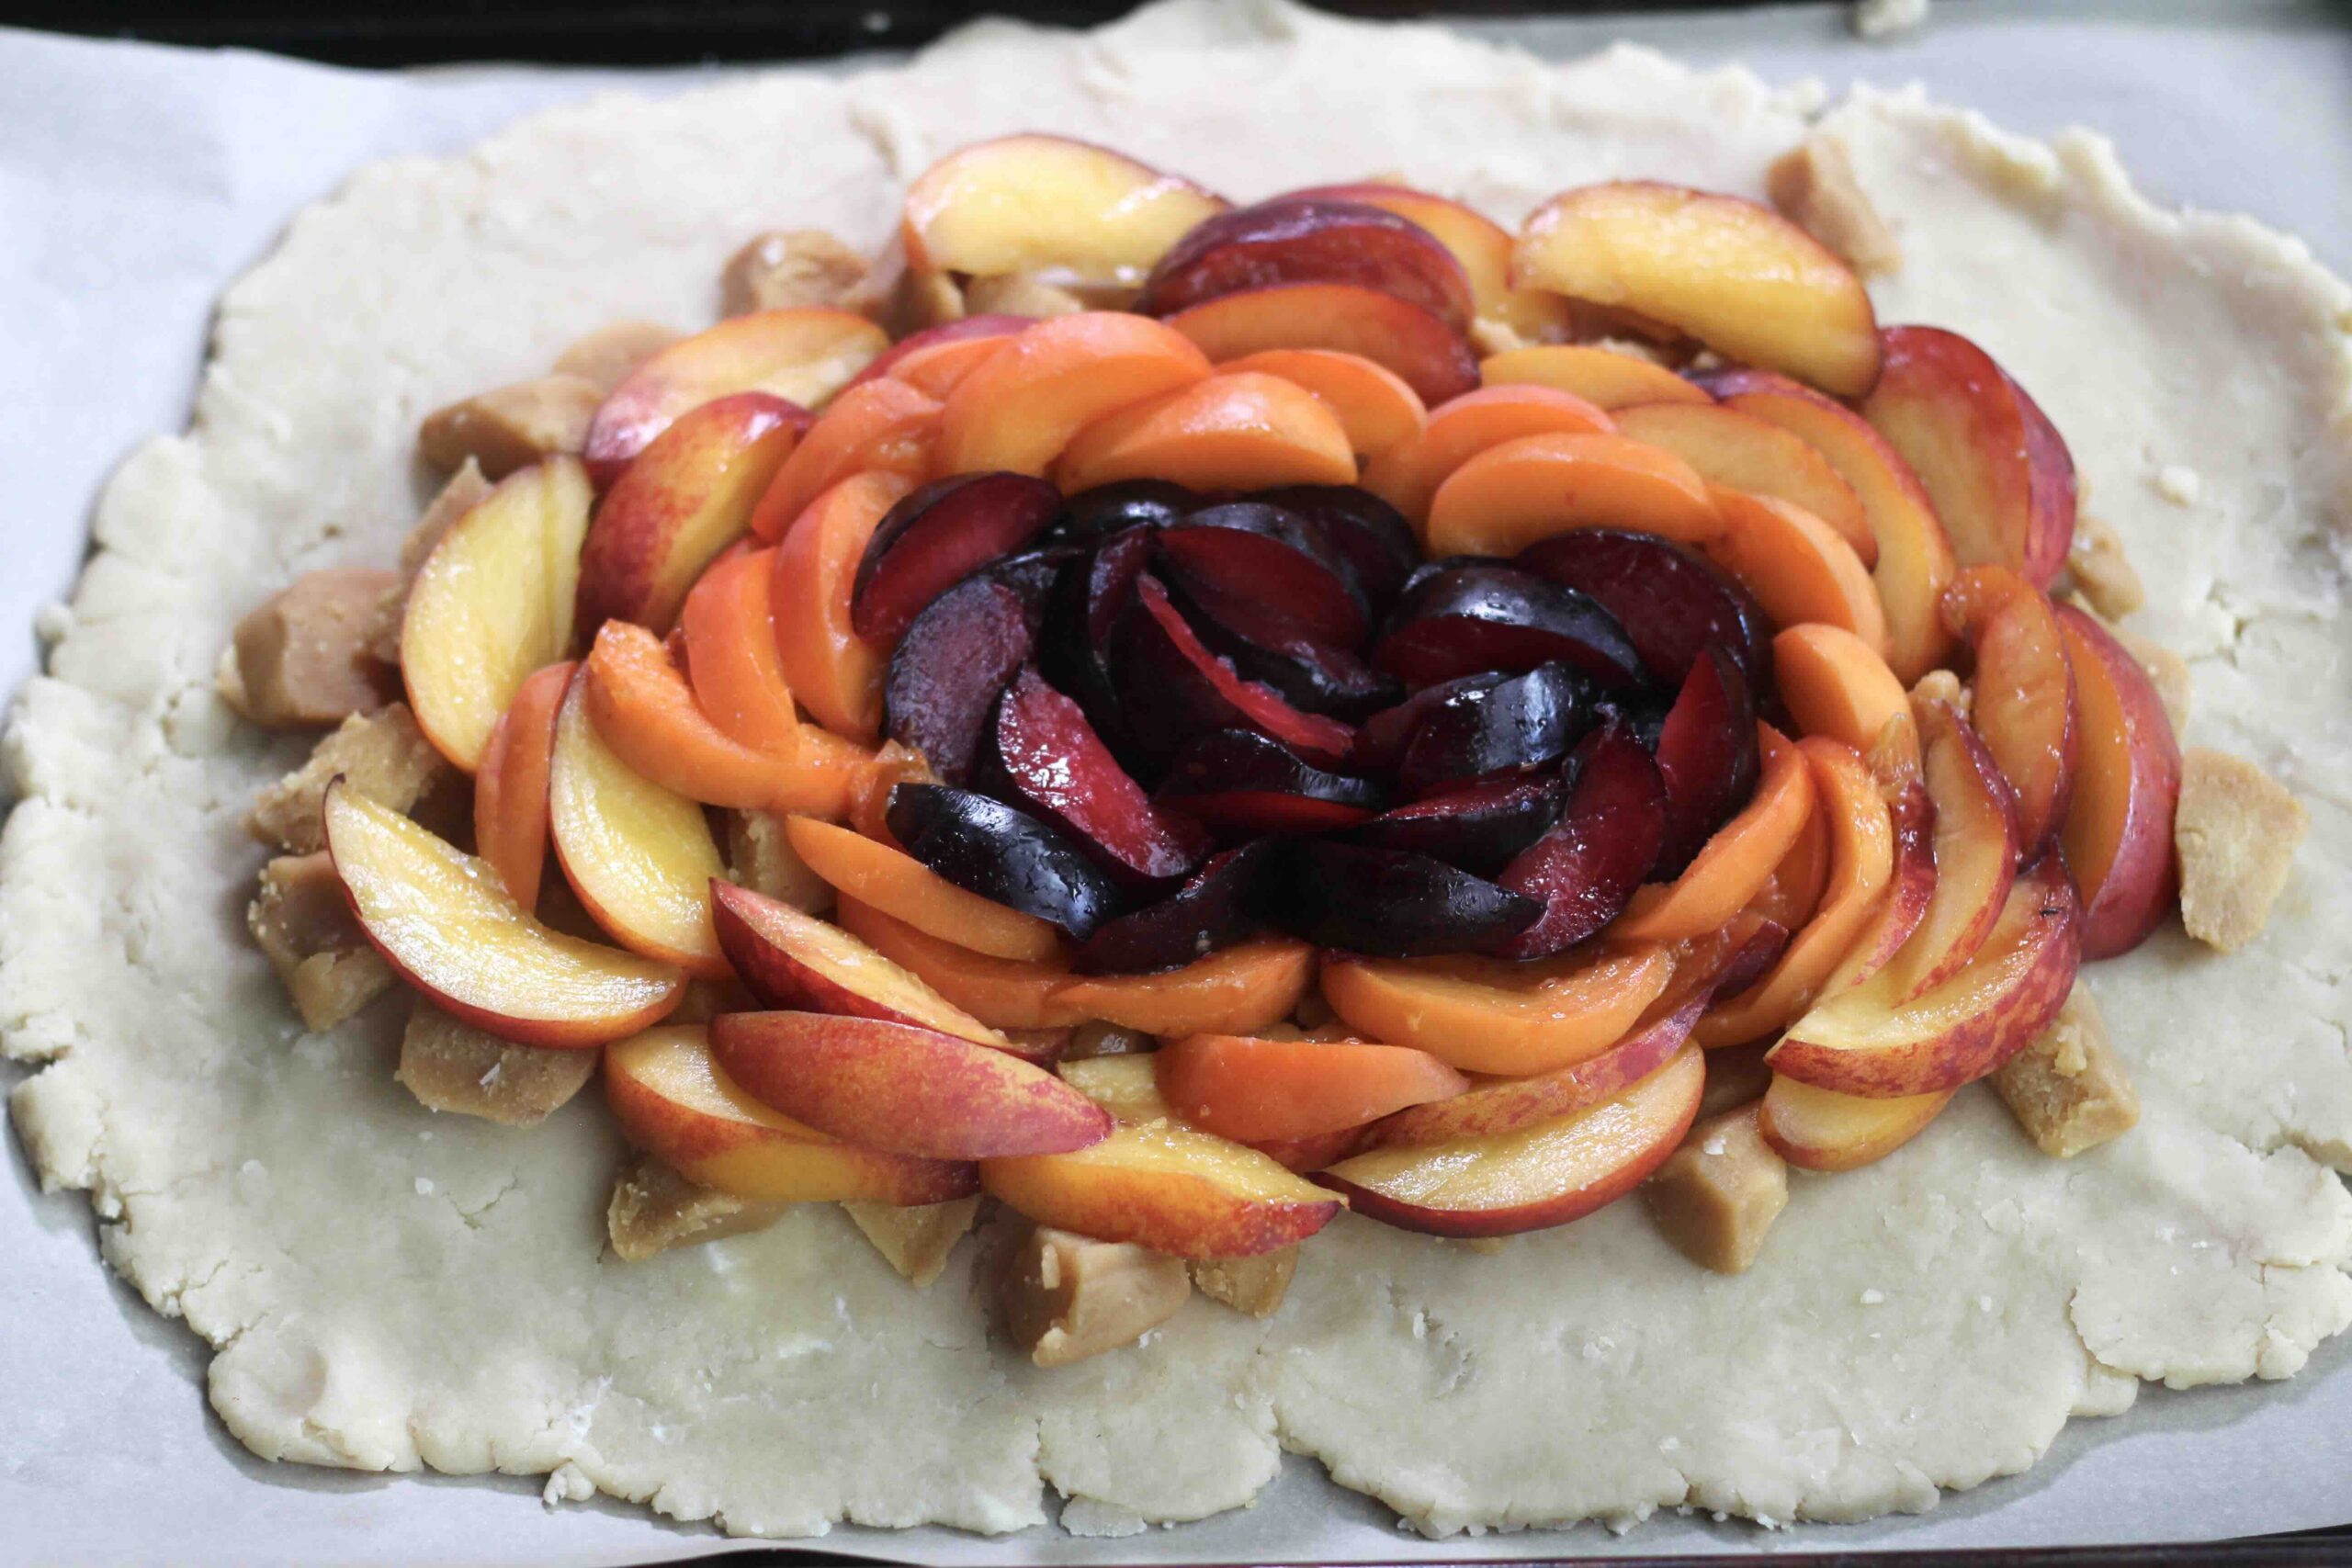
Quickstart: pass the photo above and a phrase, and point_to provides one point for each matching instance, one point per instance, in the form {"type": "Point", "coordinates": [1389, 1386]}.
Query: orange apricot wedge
{"type": "Point", "coordinates": [1798, 567]}
{"type": "Point", "coordinates": [1462, 427]}
{"type": "Point", "coordinates": [1487, 1016]}
{"type": "Point", "coordinates": [885, 425]}
{"type": "Point", "coordinates": [1740, 452]}
{"type": "Point", "coordinates": [1235, 990]}
{"type": "Point", "coordinates": [1372, 403]}
{"type": "Point", "coordinates": [643, 708]}
{"type": "Point", "coordinates": [835, 673]}
{"type": "Point", "coordinates": [1835, 684]}
{"type": "Point", "coordinates": [1732, 866]}
{"type": "Point", "coordinates": [1602, 377]}
{"type": "Point", "coordinates": [1020, 407]}
{"type": "Point", "coordinates": [900, 885]}
{"type": "Point", "coordinates": [1508, 496]}
{"type": "Point", "coordinates": [511, 786]}
{"type": "Point", "coordinates": [1239, 430]}
{"type": "Point", "coordinates": [1002, 993]}
{"type": "Point", "coordinates": [732, 655]}
{"type": "Point", "coordinates": [1255, 1090]}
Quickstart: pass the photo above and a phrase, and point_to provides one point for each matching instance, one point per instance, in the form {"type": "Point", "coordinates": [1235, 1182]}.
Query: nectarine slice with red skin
{"type": "Point", "coordinates": [1003, 993]}
{"type": "Point", "coordinates": [644, 710]}
{"type": "Point", "coordinates": [674, 1101]}
{"type": "Point", "coordinates": [794, 960]}
{"type": "Point", "coordinates": [1910, 888]}
{"type": "Point", "coordinates": [1045, 750]}
{"type": "Point", "coordinates": [639, 856]}
{"type": "Point", "coordinates": [803, 356]}
{"type": "Point", "coordinates": [1739, 452]}
{"type": "Point", "coordinates": [1238, 430]}
{"type": "Point", "coordinates": [972, 337]}
{"type": "Point", "coordinates": [1533, 1179]}
{"type": "Point", "coordinates": [1915, 555]}
{"type": "Point", "coordinates": [492, 603]}
{"type": "Point", "coordinates": [1975, 847]}
{"type": "Point", "coordinates": [1602, 377]}
{"type": "Point", "coordinates": [937, 535]}
{"type": "Point", "coordinates": [902, 1088]}
{"type": "Point", "coordinates": [2118, 831]}
{"type": "Point", "coordinates": [1033, 203]}
{"type": "Point", "coordinates": [884, 427]}
{"type": "Point", "coordinates": [1308, 238]}
{"type": "Point", "coordinates": [1587, 868]}
{"type": "Point", "coordinates": [443, 921]}
{"type": "Point", "coordinates": [511, 786]}
{"type": "Point", "coordinates": [1732, 866]}
{"type": "Point", "coordinates": [1483, 1015]}
{"type": "Point", "coordinates": [835, 673]}
{"type": "Point", "coordinates": [732, 656]}
{"type": "Point", "coordinates": [1672, 604]}
{"type": "Point", "coordinates": [2000, 478]}
{"type": "Point", "coordinates": [1164, 1186]}
{"type": "Point", "coordinates": [900, 885]}
{"type": "Point", "coordinates": [1835, 684]}
{"type": "Point", "coordinates": [1255, 1090]}
{"type": "Point", "coordinates": [1797, 566]}
{"type": "Point", "coordinates": [1483, 247]}
{"type": "Point", "coordinates": [1459, 429]}
{"type": "Point", "coordinates": [2023, 693]}
{"type": "Point", "coordinates": [1377, 409]}
{"type": "Point", "coordinates": [1737, 276]}
{"type": "Point", "coordinates": [1022, 406]}
{"type": "Point", "coordinates": [1512, 495]}
{"type": "Point", "coordinates": [1820, 1129]}
{"type": "Point", "coordinates": [1430, 356]}
{"type": "Point", "coordinates": [1867, 1040]}
{"type": "Point", "coordinates": [1237, 990]}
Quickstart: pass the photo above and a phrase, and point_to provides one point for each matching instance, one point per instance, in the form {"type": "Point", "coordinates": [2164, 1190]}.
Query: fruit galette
{"type": "Point", "coordinates": [1124, 726]}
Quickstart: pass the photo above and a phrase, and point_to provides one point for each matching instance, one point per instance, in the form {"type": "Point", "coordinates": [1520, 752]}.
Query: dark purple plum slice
{"type": "Point", "coordinates": [1382, 738]}
{"type": "Point", "coordinates": [1389, 903]}
{"type": "Point", "coordinates": [1094, 515]}
{"type": "Point", "coordinates": [947, 672]}
{"type": "Point", "coordinates": [1707, 757]}
{"type": "Point", "coordinates": [1370, 534]}
{"type": "Point", "coordinates": [985, 847]}
{"type": "Point", "coordinates": [936, 537]}
{"type": "Point", "coordinates": [1512, 727]}
{"type": "Point", "coordinates": [1269, 645]}
{"type": "Point", "coordinates": [1588, 867]}
{"type": "Point", "coordinates": [1216, 907]}
{"type": "Point", "coordinates": [1243, 784]}
{"type": "Point", "coordinates": [1044, 758]}
{"type": "Point", "coordinates": [1171, 688]}
{"type": "Point", "coordinates": [1477, 826]}
{"type": "Point", "coordinates": [1463, 619]}
{"type": "Point", "coordinates": [1245, 550]}
{"type": "Point", "coordinates": [1672, 604]}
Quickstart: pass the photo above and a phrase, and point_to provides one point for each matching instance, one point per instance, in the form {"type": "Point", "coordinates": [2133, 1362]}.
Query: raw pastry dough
{"type": "Point", "coordinates": [1929, 1322]}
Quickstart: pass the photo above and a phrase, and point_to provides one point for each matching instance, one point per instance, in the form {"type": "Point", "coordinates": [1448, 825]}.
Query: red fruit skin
{"type": "Point", "coordinates": [1048, 758]}
{"type": "Point", "coordinates": [2142, 882]}
{"type": "Point", "coordinates": [1309, 240]}
{"type": "Point", "coordinates": [1586, 869]}
{"type": "Point", "coordinates": [1707, 757]}
{"type": "Point", "coordinates": [936, 537]}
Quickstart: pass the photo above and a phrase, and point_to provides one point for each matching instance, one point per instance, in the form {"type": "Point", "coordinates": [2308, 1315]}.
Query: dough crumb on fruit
{"type": "Point", "coordinates": [915, 1241]}
{"type": "Point", "coordinates": [451, 1065]}
{"type": "Point", "coordinates": [795, 269]}
{"type": "Point", "coordinates": [460, 495]}
{"type": "Point", "coordinates": [605, 357]}
{"type": "Point", "coordinates": [384, 755]}
{"type": "Point", "coordinates": [1717, 1196]}
{"type": "Point", "coordinates": [2101, 571]}
{"type": "Point", "coordinates": [2068, 1089]}
{"type": "Point", "coordinates": [303, 923]}
{"type": "Point", "coordinates": [1254, 1286]}
{"type": "Point", "coordinates": [654, 1209]}
{"type": "Point", "coordinates": [311, 654]}
{"type": "Point", "coordinates": [1815, 187]}
{"type": "Point", "coordinates": [1067, 1297]}
{"type": "Point", "coordinates": [2237, 830]}
{"type": "Point", "coordinates": [511, 427]}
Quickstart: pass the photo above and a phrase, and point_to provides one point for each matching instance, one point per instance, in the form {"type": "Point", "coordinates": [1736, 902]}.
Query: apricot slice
{"type": "Point", "coordinates": [1820, 1129]}
{"type": "Point", "coordinates": [1602, 377]}
{"type": "Point", "coordinates": [1486, 1015]}
{"type": "Point", "coordinates": [1019, 409]}
{"type": "Point", "coordinates": [1732, 449]}
{"type": "Point", "coordinates": [1033, 203]}
{"type": "Point", "coordinates": [1238, 430]}
{"type": "Point", "coordinates": [1428, 355]}
{"type": "Point", "coordinates": [1733, 864]}
{"type": "Point", "coordinates": [1255, 1090]}
{"type": "Point", "coordinates": [1737, 276]}
{"type": "Point", "coordinates": [1797, 566]}
{"type": "Point", "coordinates": [1508, 496]}
{"type": "Point", "coordinates": [936, 370]}
{"type": "Point", "coordinates": [642, 708]}
{"type": "Point", "coordinates": [442, 920]}
{"type": "Point", "coordinates": [900, 885]}
{"type": "Point", "coordinates": [2023, 693]}
{"type": "Point", "coordinates": [2118, 831]}
{"type": "Point", "coordinates": [835, 673]}
{"type": "Point", "coordinates": [1372, 403]}
{"type": "Point", "coordinates": [1462, 427]}
{"type": "Point", "coordinates": [1237, 990]}
{"type": "Point", "coordinates": [730, 647]}
{"type": "Point", "coordinates": [1163, 1185]}
{"type": "Point", "coordinates": [1003, 993]}
{"type": "Point", "coordinates": [886, 426]}
{"type": "Point", "coordinates": [1833, 683]}
{"type": "Point", "coordinates": [511, 787]}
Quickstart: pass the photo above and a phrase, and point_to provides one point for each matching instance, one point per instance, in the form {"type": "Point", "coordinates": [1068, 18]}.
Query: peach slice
{"type": "Point", "coordinates": [1867, 1040]}
{"type": "Point", "coordinates": [1128, 1087]}
{"type": "Point", "coordinates": [640, 857]}
{"type": "Point", "coordinates": [1033, 203]}
{"type": "Point", "coordinates": [1737, 276]}
{"type": "Point", "coordinates": [1372, 403]}
{"type": "Point", "coordinates": [732, 655]}
{"type": "Point", "coordinates": [2024, 693]}
{"type": "Point", "coordinates": [1798, 567]}
{"type": "Point", "coordinates": [1508, 497]}
{"type": "Point", "coordinates": [1428, 355]}
{"type": "Point", "coordinates": [1546, 1175]}
{"type": "Point", "coordinates": [642, 708]}
{"type": "Point", "coordinates": [886, 426]}
{"type": "Point", "coordinates": [1976, 853]}
{"type": "Point", "coordinates": [1820, 1129]}
{"type": "Point", "coordinates": [1738, 452]}
{"type": "Point", "coordinates": [1238, 430]}
{"type": "Point", "coordinates": [835, 673]}
{"type": "Point", "coordinates": [687, 496]}
{"type": "Point", "coordinates": [511, 787]}
{"type": "Point", "coordinates": [1733, 864]}
{"type": "Point", "coordinates": [1488, 1016]}
{"type": "Point", "coordinates": [1483, 247]}
{"type": "Point", "coordinates": [1459, 430]}
{"type": "Point", "coordinates": [801, 356]}
{"type": "Point", "coordinates": [903, 1088]}
{"type": "Point", "coordinates": [674, 1102]}
{"type": "Point", "coordinates": [1835, 684]}
{"type": "Point", "coordinates": [1914, 555]}
{"type": "Point", "coordinates": [1255, 1090]}
{"type": "Point", "coordinates": [1019, 409]}
{"type": "Point", "coordinates": [2001, 479]}
{"type": "Point", "coordinates": [491, 604]}
{"type": "Point", "coordinates": [1236, 990]}
{"type": "Point", "coordinates": [2117, 832]}
{"type": "Point", "coordinates": [441, 918]}
{"type": "Point", "coordinates": [1003, 993]}
{"type": "Point", "coordinates": [900, 885]}
{"type": "Point", "coordinates": [1602, 377]}
{"type": "Point", "coordinates": [1164, 1186]}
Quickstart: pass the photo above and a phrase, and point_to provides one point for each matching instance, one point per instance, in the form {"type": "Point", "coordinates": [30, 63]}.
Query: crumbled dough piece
{"type": "Point", "coordinates": [1876, 19]}
{"type": "Point", "coordinates": [2237, 830]}
{"type": "Point", "coordinates": [1815, 187]}
{"type": "Point", "coordinates": [795, 269]}
{"type": "Point", "coordinates": [654, 1209]}
{"type": "Point", "coordinates": [303, 923]}
{"type": "Point", "coordinates": [1492, 337]}
{"type": "Point", "coordinates": [1018, 294]}
{"type": "Point", "coordinates": [383, 754]}
{"type": "Point", "coordinates": [926, 299]}
{"type": "Point", "coordinates": [703, 1000]}
{"type": "Point", "coordinates": [311, 654]}
{"type": "Point", "coordinates": [1717, 1195]}
{"type": "Point", "coordinates": [1096, 1038]}
{"type": "Point", "coordinates": [449, 1064]}
{"type": "Point", "coordinates": [1943, 686]}
{"type": "Point", "coordinates": [1737, 1076]}
{"type": "Point", "coordinates": [2068, 1089]}
{"type": "Point", "coordinates": [917, 1241]}
{"type": "Point", "coordinates": [1068, 1297]}
{"type": "Point", "coordinates": [761, 858]}
{"type": "Point", "coordinates": [2105, 577]}
{"type": "Point", "coordinates": [605, 357]}
{"type": "Point", "coordinates": [1254, 1286]}
{"type": "Point", "coordinates": [461, 495]}
{"type": "Point", "coordinates": [512, 427]}
{"type": "Point", "coordinates": [1487, 1245]}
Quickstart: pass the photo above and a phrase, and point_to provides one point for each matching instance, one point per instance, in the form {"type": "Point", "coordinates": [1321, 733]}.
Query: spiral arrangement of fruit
{"type": "Point", "coordinates": [1481, 702]}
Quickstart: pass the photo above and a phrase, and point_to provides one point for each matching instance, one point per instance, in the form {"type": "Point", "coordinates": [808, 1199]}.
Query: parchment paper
{"type": "Point", "coordinates": [136, 182]}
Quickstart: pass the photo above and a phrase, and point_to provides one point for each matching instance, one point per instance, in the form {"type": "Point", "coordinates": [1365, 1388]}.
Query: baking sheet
{"type": "Point", "coordinates": [136, 182]}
